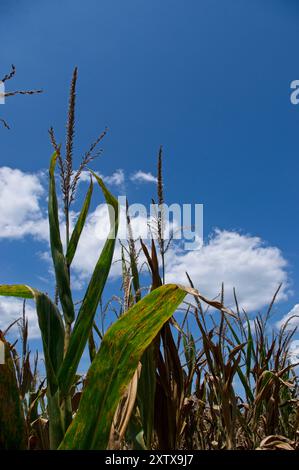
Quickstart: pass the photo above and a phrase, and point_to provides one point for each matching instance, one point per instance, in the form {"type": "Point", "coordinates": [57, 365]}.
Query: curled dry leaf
{"type": "Point", "coordinates": [212, 303]}
{"type": "Point", "coordinates": [276, 443]}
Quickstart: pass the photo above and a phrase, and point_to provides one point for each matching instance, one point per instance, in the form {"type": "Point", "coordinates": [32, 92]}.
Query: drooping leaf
{"type": "Point", "coordinates": [114, 365]}
{"type": "Point", "coordinates": [50, 324]}
{"type": "Point", "coordinates": [17, 290]}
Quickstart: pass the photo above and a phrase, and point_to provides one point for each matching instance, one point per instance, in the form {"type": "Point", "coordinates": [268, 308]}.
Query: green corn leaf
{"type": "Point", "coordinates": [17, 290]}
{"type": "Point", "coordinates": [56, 432]}
{"type": "Point", "coordinates": [237, 339]}
{"type": "Point", "coordinates": [91, 299]}
{"type": "Point", "coordinates": [51, 327]}
{"type": "Point", "coordinates": [135, 275]}
{"type": "Point", "coordinates": [60, 266]}
{"type": "Point", "coordinates": [245, 384]}
{"type": "Point", "coordinates": [189, 349]}
{"type": "Point", "coordinates": [52, 330]}
{"type": "Point", "coordinates": [114, 365]}
{"type": "Point", "coordinates": [133, 257]}
{"type": "Point", "coordinates": [192, 348]}
{"type": "Point", "coordinates": [71, 250]}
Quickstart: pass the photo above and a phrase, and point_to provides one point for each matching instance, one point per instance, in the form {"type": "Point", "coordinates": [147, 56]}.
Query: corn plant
{"type": "Point", "coordinates": [63, 350]}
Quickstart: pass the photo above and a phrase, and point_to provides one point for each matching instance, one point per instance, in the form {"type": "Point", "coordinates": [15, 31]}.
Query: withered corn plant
{"type": "Point", "coordinates": [246, 387]}
{"type": "Point", "coordinates": [227, 384]}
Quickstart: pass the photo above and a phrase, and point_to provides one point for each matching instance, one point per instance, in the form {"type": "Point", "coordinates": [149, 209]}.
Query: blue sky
{"type": "Point", "coordinates": [208, 79]}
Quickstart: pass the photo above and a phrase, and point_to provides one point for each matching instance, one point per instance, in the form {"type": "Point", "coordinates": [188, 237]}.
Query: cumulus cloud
{"type": "Point", "coordinates": [94, 236]}
{"type": "Point", "coordinates": [20, 205]}
{"type": "Point", "coordinates": [95, 233]}
{"type": "Point", "coordinates": [117, 178]}
{"type": "Point", "coordinates": [143, 177]}
{"type": "Point", "coordinates": [22, 198]}
{"type": "Point", "coordinates": [240, 261]}
{"type": "Point", "coordinates": [294, 351]}
{"type": "Point", "coordinates": [292, 317]}
{"type": "Point", "coordinates": [90, 245]}
{"type": "Point", "coordinates": [11, 309]}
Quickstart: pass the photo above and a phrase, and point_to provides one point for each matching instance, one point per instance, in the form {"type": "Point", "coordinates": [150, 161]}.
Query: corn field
{"type": "Point", "coordinates": [154, 382]}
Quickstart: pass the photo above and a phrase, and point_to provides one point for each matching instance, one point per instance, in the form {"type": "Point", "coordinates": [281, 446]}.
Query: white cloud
{"type": "Point", "coordinates": [92, 241]}
{"type": "Point", "coordinates": [90, 245]}
{"type": "Point", "coordinates": [94, 236]}
{"type": "Point", "coordinates": [143, 177]}
{"type": "Point", "coordinates": [21, 202]}
{"type": "Point", "coordinates": [117, 178]}
{"type": "Point", "coordinates": [20, 208]}
{"type": "Point", "coordinates": [292, 317]}
{"type": "Point", "coordinates": [11, 309]}
{"type": "Point", "coordinates": [294, 351]}
{"type": "Point", "coordinates": [240, 261]}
